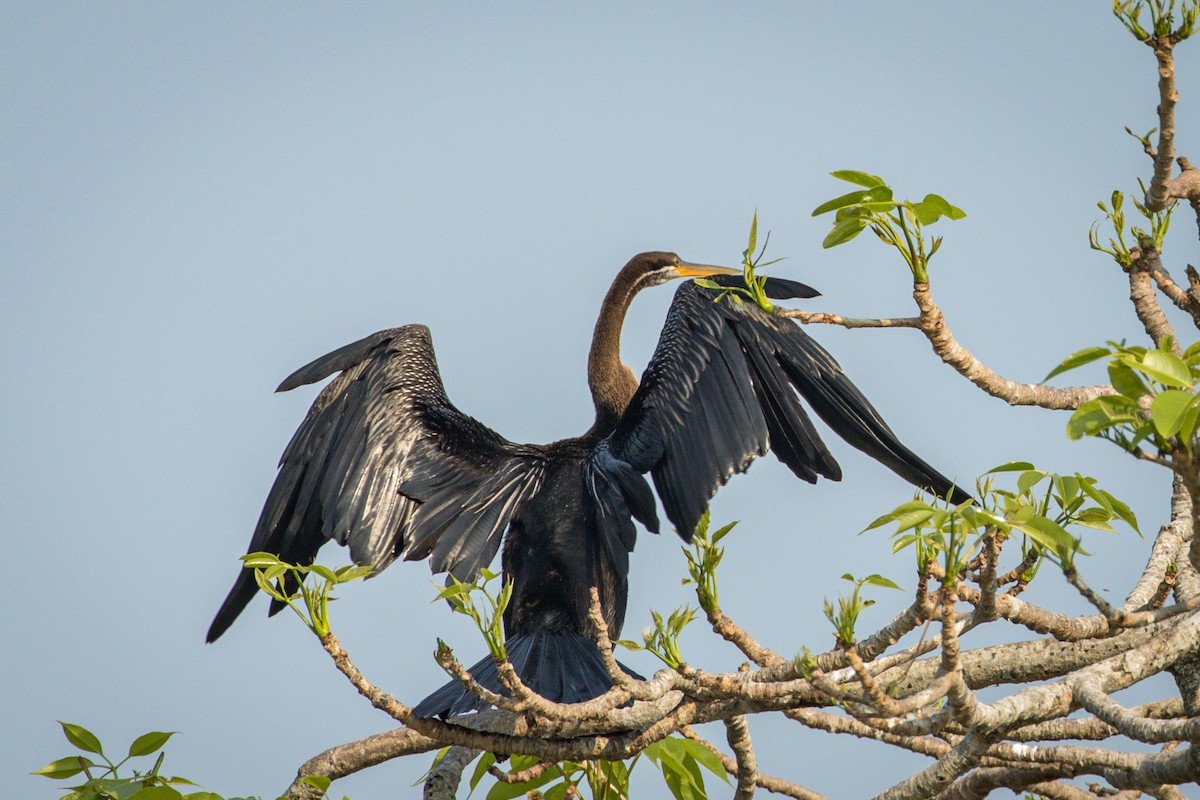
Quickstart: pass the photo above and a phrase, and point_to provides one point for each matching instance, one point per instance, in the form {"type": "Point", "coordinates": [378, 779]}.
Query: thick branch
{"type": "Point", "coordinates": [724, 627]}
{"type": "Point", "coordinates": [737, 733]}
{"type": "Point", "coordinates": [442, 781]}
{"type": "Point", "coordinates": [933, 325]}
{"type": "Point", "coordinates": [1145, 299]}
{"type": "Point", "coordinates": [1158, 195]}
{"type": "Point", "coordinates": [1182, 299]}
{"type": "Point", "coordinates": [1132, 724]}
{"type": "Point", "coordinates": [346, 759]}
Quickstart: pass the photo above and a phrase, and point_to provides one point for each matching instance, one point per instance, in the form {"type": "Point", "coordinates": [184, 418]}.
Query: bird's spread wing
{"type": "Point", "coordinates": [718, 393]}
{"type": "Point", "coordinates": [384, 464]}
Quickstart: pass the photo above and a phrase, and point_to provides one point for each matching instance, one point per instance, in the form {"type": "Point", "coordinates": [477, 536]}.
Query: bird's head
{"type": "Point", "coordinates": [654, 268]}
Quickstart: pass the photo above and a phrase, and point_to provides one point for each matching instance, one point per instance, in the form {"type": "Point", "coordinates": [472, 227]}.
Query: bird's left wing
{"type": "Point", "coordinates": [718, 393]}
{"type": "Point", "coordinates": [386, 465]}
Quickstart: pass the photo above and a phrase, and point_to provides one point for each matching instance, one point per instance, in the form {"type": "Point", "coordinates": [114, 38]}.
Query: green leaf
{"type": "Point", "coordinates": [81, 737]}
{"type": "Point", "coordinates": [1121, 510]}
{"type": "Point", "coordinates": [682, 779]}
{"type": "Point", "coordinates": [1168, 409]}
{"type": "Point", "coordinates": [753, 244]}
{"type": "Point", "coordinates": [147, 743]}
{"type": "Point", "coordinates": [203, 796]}
{"type": "Point", "coordinates": [852, 212]}
{"type": "Point", "coordinates": [352, 573]}
{"type": "Point", "coordinates": [260, 560]}
{"type": "Point", "coordinates": [913, 519]}
{"type": "Point", "coordinates": [481, 769]}
{"type": "Point", "coordinates": [879, 195]}
{"type": "Point", "coordinates": [320, 782]}
{"type": "Point", "coordinates": [1011, 466]}
{"type": "Point", "coordinates": [844, 231]}
{"type": "Point", "coordinates": [156, 793]}
{"type": "Point", "coordinates": [706, 758]}
{"type": "Point", "coordinates": [943, 206]}
{"type": "Point", "coordinates": [65, 767]}
{"type": "Point", "coordinates": [899, 512]}
{"type": "Point", "coordinates": [1078, 359]}
{"type": "Point", "coordinates": [325, 572]}
{"type": "Point", "coordinates": [1167, 368]}
{"type": "Point", "coordinates": [454, 590]}
{"type": "Point", "coordinates": [507, 791]}
{"type": "Point", "coordinates": [1028, 480]}
{"type": "Point", "coordinates": [1067, 487]}
{"type": "Point", "coordinates": [1189, 423]}
{"type": "Point", "coordinates": [1192, 354]}
{"type": "Point", "coordinates": [1050, 535]}
{"type": "Point", "coordinates": [1095, 518]}
{"type": "Point", "coordinates": [838, 202]}
{"type": "Point", "coordinates": [1125, 380]}
{"type": "Point", "coordinates": [1100, 414]}
{"type": "Point", "coordinates": [276, 571]}
{"type": "Point", "coordinates": [879, 580]}
{"type": "Point", "coordinates": [859, 178]}
{"type": "Point", "coordinates": [722, 532]}
{"type": "Point", "coordinates": [926, 213]}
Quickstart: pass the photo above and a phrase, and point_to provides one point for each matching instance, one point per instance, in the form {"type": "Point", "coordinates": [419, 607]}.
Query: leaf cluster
{"type": "Point", "coordinates": [488, 616]}
{"type": "Point", "coordinates": [755, 289]}
{"type": "Point", "coordinates": [1156, 402]}
{"type": "Point", "coordinates": [897, 223]}
{"type": "Point", "coordinates": [1118, 248]}
{"type": "Point", "coordinates": [309, 599]}
{"type": "Point", "coordinates": [703, 559]}
{"type": "Point", "coordinates": [1040, 507]}
{"type": "Point", "coordinates": [1162, 18]}
{"type": "Point", "coordinates": [105, 780]}
{"type": "Point", "coordinates": [936, 531]}
{"type": "Point", "coordinates": [661, 638]}
{"type": "Point", "coordinates": [845, 617]}
{"type": "Point", "coordinates": [607, 780]}
{"type": "Point", "coordinates": [679, 760]}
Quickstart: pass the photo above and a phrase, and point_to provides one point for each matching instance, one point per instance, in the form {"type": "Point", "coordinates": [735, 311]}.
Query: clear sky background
{"type": "Point", "coordinates": [196, 199]}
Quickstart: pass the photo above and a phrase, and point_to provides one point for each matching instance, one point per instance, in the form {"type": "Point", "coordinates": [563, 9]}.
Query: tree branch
{"type": "Point", "coordinates": [442, 781]}
{"type": "Point", "coordinates": [1159, 193]}
{"type": "Point", "coordinates": [933, 325]}
{"type": "Point", "coordinates": [737, 733]}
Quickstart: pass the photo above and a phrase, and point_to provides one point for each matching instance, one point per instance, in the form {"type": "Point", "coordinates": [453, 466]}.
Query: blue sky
{"type": "Point", "coordinates": [195, 199]}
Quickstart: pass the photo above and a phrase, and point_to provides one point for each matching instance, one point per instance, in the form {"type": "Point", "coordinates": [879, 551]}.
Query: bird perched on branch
{"type": "Point", "coordinates": [385, 464]}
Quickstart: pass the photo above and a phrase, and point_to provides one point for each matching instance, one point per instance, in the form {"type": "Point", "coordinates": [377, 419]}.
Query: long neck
{"type": "Point", "coordinates": [612, 383]}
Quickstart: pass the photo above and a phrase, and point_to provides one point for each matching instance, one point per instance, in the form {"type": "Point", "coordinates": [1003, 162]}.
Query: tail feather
{"type": "Point", "coordinates": [563, 666]}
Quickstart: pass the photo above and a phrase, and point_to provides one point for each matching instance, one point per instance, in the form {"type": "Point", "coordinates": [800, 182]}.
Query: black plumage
{"type": "Point", "coordinates": [386, 465]}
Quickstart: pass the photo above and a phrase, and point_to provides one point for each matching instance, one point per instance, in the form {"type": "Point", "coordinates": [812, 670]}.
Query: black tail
{"type": "Point", "coordinates": [563, 666]}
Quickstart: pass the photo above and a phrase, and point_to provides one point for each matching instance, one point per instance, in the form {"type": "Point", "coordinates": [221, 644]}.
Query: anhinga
{"type": "Point", "coordinates": [385, 464]}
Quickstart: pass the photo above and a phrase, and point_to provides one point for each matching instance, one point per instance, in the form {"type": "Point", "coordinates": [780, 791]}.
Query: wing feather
{"type": "Point", "coordinates": [384, 464]}
{"type": "Point", "coordinates": [721, 389]}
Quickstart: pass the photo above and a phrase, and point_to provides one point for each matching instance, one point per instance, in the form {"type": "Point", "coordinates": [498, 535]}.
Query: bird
{"type": "Point", "coordinates": [386, 465]}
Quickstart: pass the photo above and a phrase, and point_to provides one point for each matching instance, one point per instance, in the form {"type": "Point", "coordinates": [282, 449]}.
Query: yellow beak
{"type": "Point", "coordinates": [686, 270]}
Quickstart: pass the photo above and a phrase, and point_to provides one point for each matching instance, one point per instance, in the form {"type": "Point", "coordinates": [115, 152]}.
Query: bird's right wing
{"type": "Point", "coordinates": [386, 465]}
{"type": "Point", "coordinates": [721, 389]}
